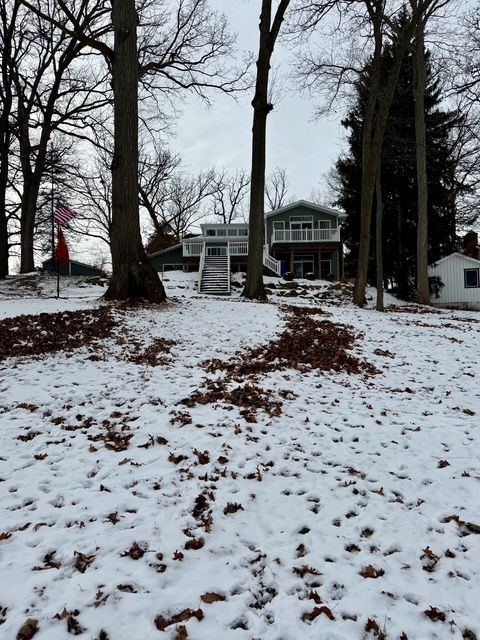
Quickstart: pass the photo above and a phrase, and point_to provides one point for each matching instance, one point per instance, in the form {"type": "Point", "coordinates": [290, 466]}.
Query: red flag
{"type": "Point", "coordinates": [62, 250]}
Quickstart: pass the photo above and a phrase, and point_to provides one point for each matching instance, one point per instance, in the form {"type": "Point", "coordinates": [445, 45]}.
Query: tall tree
{"type": "Point", "coordinates": [10, 50]}
{"type": "Point", "coordinates": [180, 50]}
{"type": "Point", "coordinates": [399, 190]}
{"type": "Point", "coordinates": [269, 30]}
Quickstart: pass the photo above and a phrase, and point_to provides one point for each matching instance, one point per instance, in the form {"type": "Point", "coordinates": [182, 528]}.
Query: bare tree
{"type": "Point", "coordinates": [52, 88]}
{"type": "Point", "coordinates": [185, 50]}
{"type": "Point", "coordinates": [276, 189]}
{"type": "Point", "coordinates": [269, 30]}
{"type": "Point", "coordinates": [186, 199]}
{"type": "Point", "coordinates": [8, 59]}
{"type": "Point", "coordinates": [228, 195]}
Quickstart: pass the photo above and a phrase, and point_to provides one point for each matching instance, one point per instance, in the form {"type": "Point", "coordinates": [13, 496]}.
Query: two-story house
{"type": "Point", "coordinates": [301, 238]}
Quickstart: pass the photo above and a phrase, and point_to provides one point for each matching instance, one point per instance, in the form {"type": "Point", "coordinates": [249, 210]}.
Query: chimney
{"type": "Point", "coordinates": [470, 245]}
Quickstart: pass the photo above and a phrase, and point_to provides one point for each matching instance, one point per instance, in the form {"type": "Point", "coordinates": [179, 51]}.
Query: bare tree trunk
{"type": "Point", "coordinates": [378, 242]}
{"type": "Point", "coordinates": [133, 276]}
{"type": "Point", "coordinates": [380, 98]}
{"type": "Point", "coordinates": [4, 144]}
{"type": "Point", "coordinates": [254, 288]}
{"type": "Point", "coordinates": [419, 79]}
{"type": "Point", "coordinates": [8, 18]}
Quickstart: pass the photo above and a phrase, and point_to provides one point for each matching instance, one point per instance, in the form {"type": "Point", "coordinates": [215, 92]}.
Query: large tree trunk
{"type": "Point", "coordinates": [133, 276]}
{"type": "Point", "coordinates": [4, 140]}
{"type": "Point", "coordinates": [378, 242]}
{"type": "Point", "coordinates": [254, 288]}
{"type": "Point", "coordinates": [419, 79]}
{"type": "Point", "coordinates": [31, 187]}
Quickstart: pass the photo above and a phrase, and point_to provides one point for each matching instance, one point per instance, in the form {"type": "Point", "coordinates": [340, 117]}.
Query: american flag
{"type": "Point", "coordinates": [63, 213]}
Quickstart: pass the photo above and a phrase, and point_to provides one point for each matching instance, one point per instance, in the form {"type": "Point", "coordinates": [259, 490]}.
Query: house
{"type": "Point", "coordinates": [74, 268]}
{"type": "Point", "coordinates": [460, 276]}
{"type": "Point", "coordinates": [301, 238]}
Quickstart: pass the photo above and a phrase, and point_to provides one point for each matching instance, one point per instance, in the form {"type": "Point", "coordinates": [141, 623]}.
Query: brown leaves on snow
{"type": "Point", "coordinates": [28, 629]}
{"type": "Point", "coordinates": [162, 623]}
{"type": "Point", "coordinates": [210, 598]}
{"type": "Point", "coordinates": [371, 572]}
{"type": "Point", "coordinates": [306, 344]}
{"type": "Point", "coordinates": [465, 527]}
{"type": "Point", "coordinates": [36, 335]}
{"type": "Point", "coordinates": [83, 561]}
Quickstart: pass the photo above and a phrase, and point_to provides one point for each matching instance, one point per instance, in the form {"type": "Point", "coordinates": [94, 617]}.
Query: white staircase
{"type": "Point", "coordinates": [215, 276]}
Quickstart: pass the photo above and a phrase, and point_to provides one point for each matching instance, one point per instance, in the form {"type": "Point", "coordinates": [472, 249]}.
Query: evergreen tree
{"type": "Point", "coordinates": [398, 177]}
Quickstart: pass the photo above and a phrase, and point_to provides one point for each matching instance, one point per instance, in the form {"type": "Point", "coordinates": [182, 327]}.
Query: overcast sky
{"type": "Point", "coordinates": [221, 135]}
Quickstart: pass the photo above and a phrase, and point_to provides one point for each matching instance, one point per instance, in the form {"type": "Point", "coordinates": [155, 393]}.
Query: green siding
{"type": "Point", "coordinates": [174, 256]}
{"type": "Point", "coordinates": [301, 210]}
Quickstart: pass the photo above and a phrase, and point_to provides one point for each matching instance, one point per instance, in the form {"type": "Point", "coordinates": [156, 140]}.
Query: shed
{"type": "Point", "coordinates": [460, 275]}
{"type": "Point", "coordinates": [74, 268]}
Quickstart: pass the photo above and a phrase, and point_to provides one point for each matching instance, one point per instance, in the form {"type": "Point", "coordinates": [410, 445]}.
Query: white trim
{"type": "Point", "coordinates": [308, 205]}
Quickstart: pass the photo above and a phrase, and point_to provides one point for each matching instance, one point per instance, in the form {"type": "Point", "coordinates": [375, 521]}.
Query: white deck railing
{"type": "Point", "coordinates": [238, 248]}
{"type": "Point", "coordinates": [306, 235]}
{"type": "Point", "coordinates": [193, 248]}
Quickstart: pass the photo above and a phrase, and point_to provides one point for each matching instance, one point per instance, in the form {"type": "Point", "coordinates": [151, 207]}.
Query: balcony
{"type": "Point", "coordinates": [306, 235]}
{"type": "Point", "coordinates": [194, 249]}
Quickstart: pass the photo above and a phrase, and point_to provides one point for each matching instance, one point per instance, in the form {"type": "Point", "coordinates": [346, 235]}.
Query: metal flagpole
{"type": "Point", "coordinates": [58, 263]}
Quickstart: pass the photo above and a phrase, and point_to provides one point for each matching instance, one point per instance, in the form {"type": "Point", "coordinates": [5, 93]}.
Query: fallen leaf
{"type": "Point", "coordinates": [211, 597]}
{"type": "Point", "coordinates": [28, 629]}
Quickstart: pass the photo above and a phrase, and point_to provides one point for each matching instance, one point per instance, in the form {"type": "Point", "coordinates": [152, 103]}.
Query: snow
{"type": "Point", "coordinates": [354, 469]}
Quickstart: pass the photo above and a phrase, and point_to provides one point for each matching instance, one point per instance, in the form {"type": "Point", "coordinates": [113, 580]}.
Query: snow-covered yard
{"type": "Point", "coordinates": [351, 512]}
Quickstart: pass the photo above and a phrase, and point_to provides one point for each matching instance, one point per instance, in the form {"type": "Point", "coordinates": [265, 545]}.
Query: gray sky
{"type": "Point", "coordinates": [221, 135]}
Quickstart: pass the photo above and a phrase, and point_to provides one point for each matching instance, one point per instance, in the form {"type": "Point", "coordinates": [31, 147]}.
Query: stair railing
{"type": "Point", "coordinates": [228, 267]}
{"type": "Point", "coordinates": [270, 262]}
{"type": "Point", "coordinates": [200, 268]}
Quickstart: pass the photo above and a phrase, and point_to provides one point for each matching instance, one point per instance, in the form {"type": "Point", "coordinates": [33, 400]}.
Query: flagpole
{"type": "Point", "coordinates": [58, 264]}
{"type": "Point", "coordinates": [52, 204]}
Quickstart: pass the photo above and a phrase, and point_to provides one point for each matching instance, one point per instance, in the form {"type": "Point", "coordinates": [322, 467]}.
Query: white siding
{"type": "Point", "coordinates": [451, 272]}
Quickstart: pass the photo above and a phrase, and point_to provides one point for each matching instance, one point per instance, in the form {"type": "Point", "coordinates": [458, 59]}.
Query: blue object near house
{"type": "Point", "coordinates": [74, 268]}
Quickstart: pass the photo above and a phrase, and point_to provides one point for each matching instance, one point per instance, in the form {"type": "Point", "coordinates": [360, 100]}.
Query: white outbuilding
{"type": "Point", "coordinates": [460, 275]}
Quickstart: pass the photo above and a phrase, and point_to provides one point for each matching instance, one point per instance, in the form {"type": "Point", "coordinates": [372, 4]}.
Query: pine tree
{"type": "Point", "coordinates": [399, 186]}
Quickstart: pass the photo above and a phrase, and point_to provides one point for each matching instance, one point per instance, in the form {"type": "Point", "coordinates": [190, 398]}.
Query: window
{"type": "Point", "coordinates": [324, 224]}
{"type": "Point", "coordinates": [210, 232]}
{"type": "Point", "coordinates": [472, 278]}
{"type": "Point", "coordinates": [243, 232]}
{"type": "Point", "coordinates": [221, 232]}
{"type": "Point", "coordinates": [232, 232]}
{"type": "Point", "coordinates": [301, 222]}
{"type": "Point", "coordinates": [279, 225]}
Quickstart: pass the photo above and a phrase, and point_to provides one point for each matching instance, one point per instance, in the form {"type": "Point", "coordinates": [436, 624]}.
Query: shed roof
{"type": "Point", "coordinates": [474, 261]}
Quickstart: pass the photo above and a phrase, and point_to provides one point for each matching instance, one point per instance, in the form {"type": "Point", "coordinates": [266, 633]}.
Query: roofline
{"type": "Point", "coordinates": [310, 205]}
{"type": "Point", "coordinates": [83, 264]}
{"type": "Point", "coordinates": [455, 253]}
{"type": "Point", "coordinates": [224, 224]}
{"type": "Point", "coordinates": [162, 251]}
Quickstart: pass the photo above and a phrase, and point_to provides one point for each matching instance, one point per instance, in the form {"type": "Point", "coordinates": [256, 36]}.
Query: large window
{"type": "Point", "coordinates": [301, 222]}
{"type": "Point", "coordinates": [472, 278]}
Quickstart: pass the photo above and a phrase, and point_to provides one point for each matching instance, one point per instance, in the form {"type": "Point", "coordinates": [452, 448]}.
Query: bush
{"type": "Point", "coordinates": [288, 275]}
{"type": "Point", "coordinates": [310, 276]}
{"type": "Point", "coordinates": [435, 285]}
